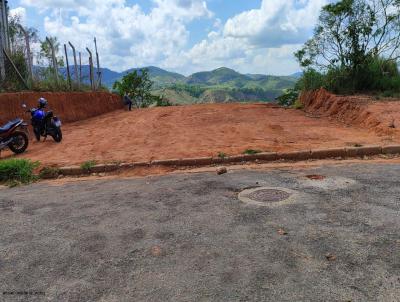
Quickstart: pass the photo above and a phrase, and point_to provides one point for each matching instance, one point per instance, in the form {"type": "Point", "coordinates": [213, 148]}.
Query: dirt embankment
{"type": "Point", "coordinates": [70, 107]}
{"type": "Point", "coordinates": [383, 116]}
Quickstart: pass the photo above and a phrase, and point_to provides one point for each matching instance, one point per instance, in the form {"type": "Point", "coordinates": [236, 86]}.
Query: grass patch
{"type": "Point", "coordinates": [88, 165]}
{"type": "Point", "coordinates": [222, 155]}
{"type": "Point", "coordinates": [17, 171]}
{"type": "Point", "coordinates": [251, 151]}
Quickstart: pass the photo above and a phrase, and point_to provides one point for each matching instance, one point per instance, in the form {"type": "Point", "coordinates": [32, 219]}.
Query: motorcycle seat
{"type": "Point", "coordinates": [9, 125]}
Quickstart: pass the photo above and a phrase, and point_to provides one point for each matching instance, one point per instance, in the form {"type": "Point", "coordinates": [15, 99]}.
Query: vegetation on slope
{"type": "Point", "coordinates": [226, 85]}
{"type": "Point", "coordinates": [355, 48]}
{"type": "Point", "coordinates": [15, 171]}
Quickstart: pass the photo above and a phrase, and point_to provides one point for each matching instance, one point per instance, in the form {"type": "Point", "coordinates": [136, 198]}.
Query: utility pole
{"type": "Point", "coordinates": [67, 62]}
{"type": "Point", "coordinates": [4, 24]}
{"type": "Point", "coordinates": [6, 10]}
{"type": "Point", "coordinates": [98, 64]}
{"type": "Point", "coordinates": [4, 37]}
{"type": "Point", "coordinates": [75, 65]}
{"type": "Point", "coordinates": [53, 55]}
{"type": "Point", "coordinates": [92, 84]}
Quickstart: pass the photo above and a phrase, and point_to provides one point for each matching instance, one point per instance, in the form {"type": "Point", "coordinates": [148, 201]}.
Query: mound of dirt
{"type": "Point", "coordinates": [382, 116]}
{"type": "Point", "coordinates": [71, 106]}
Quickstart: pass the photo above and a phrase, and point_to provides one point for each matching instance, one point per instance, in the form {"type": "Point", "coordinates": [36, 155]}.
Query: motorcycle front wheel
{"type": "Point", "coordinates": [19, 142]}
{"type": "Point", "coordinates": [57, 136]}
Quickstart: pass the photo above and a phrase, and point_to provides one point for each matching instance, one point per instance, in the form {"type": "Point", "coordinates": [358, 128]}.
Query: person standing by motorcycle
{"type": "Point", "coordinates": [128, 101]}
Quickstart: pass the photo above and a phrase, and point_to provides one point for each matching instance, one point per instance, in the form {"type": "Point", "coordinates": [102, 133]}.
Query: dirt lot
{"type": "Point", "coordinates": [199, 130]}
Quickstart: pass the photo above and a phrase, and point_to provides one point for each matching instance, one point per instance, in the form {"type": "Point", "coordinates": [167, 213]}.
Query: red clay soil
{"type": "Point", "coordinates": [195, 131]}
{"type": "Point", "coordinates": [381, 116]}
{"type": "Point", "coordinates": [71, 107]}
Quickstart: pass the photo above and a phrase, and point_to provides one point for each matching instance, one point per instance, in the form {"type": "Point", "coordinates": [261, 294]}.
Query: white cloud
{"type": "Point", "coordinates": [261, 40]}
{"type": "Point", "coordinates": [276, 23]}
{"type": "Point", "coordinates": [126, 36]}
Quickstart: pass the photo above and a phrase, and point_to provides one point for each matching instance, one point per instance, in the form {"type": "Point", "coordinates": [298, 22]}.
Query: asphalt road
{"type": "Point", "coordinates": [189, 238]}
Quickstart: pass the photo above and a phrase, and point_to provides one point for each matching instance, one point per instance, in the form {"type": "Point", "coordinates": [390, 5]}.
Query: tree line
{"type": "Point", "coordinates": [355, 48]}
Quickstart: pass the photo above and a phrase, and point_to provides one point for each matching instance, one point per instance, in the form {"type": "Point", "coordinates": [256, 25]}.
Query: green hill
{"type": "Point", "coordinates": [226, 85]}
{"type": "Point", "coordinates": [161, 77]}
{"type": "Point", "coordinates": [217, 86]}
{"type": "Point", "coordinates": [216, 77]}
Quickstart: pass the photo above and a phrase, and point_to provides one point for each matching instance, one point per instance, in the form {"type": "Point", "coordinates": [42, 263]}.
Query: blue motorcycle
{"type": "Point", "coordinates": [45, 124]}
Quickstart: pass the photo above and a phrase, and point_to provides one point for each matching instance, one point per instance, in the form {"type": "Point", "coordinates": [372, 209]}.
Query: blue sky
{"type": "Point", "coordinates": [251, 36]}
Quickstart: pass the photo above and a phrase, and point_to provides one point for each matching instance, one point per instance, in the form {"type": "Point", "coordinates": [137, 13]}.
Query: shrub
{"type": "Point", "coordinates": [377, 75]}
{"type": "Point", "coordinates": [310, 80]}
{"type": "Point", "coordinates": [47, 81]}
{"type": "Point", "coordinates": [161, 102]}
{"type": "Point", "coordinates": [12, 82]}
{"type": "Point", "coordinates": [383, 75]}
{"type": "Point", "coordinates": [88, 165]}
{"type": "Point", "coordinates": [222, 155]}
{"type": "Point", "coordinates": [288, 98]}
{"type": "Point", "coordinates": [16, 171]}
{"type": "Point", "coordinates": [298, 105]}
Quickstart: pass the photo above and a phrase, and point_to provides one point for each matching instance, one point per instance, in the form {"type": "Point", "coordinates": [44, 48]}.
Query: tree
{"type": "Point", "coordinates": [17, 35]}
{"type": "Point", "coordinates": [138, 86]}
{"type": "Point", "coordinates": [356, 44]}
{"type": "Point", "coordinates": [351, 32]}
{"type": "Point", "coordinates": [45, 51]}
{"type": "Point", "coordinates": [18, 54]}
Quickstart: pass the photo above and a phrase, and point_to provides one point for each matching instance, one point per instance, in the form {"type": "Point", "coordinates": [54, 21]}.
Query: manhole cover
{"type": "Point", "coordinates": [264, 196]}
{"type": "Point", "coordinates": [269, 195]}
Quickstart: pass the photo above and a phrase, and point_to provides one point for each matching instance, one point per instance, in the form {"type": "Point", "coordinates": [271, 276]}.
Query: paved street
{"type": "Point", "coordinates": [189, 238]}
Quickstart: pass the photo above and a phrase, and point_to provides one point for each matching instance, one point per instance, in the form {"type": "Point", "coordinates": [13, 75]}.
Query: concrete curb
{"type": "Point", "coordinates": [363, 151]}
{"type": "Point", "coordinates": [393, 149]}
{"type": "Point", "coordinates": [349, 152]}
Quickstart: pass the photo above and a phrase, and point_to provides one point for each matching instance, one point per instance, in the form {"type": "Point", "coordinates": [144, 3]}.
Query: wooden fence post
{"type": "Point", "coordinates": [55, 65]}
{"type": "Point", "coordinates": [80, 68]}
{"type": "Point", "coordinates": [75, 66]}
{"type": "Point", "coordinates": [92, 85]}
{"type": "Point", "coordinates": [67, 62]}
{"type": "Point", "coordinates": [99, 74]}
{"type": "Point", "coordinates": [28, 52]}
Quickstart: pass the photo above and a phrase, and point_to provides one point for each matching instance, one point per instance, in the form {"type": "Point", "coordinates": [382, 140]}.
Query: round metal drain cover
{"type": "Point", "coordinates": [269, 195]}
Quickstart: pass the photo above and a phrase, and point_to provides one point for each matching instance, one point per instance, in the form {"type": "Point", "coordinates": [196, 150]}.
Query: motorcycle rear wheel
{"type": "Point", "coordinates": [20, 142]}
{"type": "Point", "coordinates": [58, 135]}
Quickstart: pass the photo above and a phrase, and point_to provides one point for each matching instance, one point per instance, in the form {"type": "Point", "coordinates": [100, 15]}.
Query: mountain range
{"type": "Point", "coordinates": [219, 85]}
